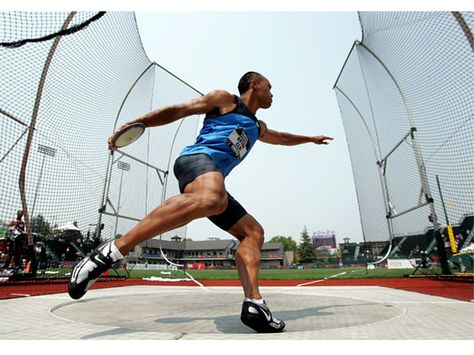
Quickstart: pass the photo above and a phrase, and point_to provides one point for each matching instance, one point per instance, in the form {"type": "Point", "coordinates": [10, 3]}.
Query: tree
{"type": "Point", "coordinates": [40, 226]}
{"type": "Point", "coordinates": [305, 249]}
{"type": "Point", "coordinates": [288, 243]}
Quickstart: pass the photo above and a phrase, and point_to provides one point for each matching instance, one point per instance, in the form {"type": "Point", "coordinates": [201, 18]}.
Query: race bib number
{"type": "Point", "coordinates": [238, 141]}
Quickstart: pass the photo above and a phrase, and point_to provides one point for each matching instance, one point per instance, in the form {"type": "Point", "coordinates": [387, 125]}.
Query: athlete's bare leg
{"type": "Point", "coordinates": [251, 236]}
{"type": "Point", "coordinates": [255, 314]}
{"type": "Point", "coordinates": [204, 196]}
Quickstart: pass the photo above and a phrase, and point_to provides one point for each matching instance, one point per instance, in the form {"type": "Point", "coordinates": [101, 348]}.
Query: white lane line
{"type": "Point", "coordinates": [313, 282]}
{"type": "Point", "coordinates": [197, 282]}
{"type": "Point", "coordinates": [20, 294]}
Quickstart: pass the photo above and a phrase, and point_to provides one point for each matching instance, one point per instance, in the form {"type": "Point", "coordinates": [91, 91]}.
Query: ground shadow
{"type": "Point", "coordinates": [231, 324]}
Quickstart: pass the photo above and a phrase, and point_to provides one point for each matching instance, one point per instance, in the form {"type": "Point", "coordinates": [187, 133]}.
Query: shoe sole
{"type": "Point", "coordinates": [255, 322]}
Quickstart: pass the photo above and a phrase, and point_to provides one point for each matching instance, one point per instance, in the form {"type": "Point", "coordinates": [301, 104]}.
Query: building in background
{"type": "Point", "coordinates": [205, 254]}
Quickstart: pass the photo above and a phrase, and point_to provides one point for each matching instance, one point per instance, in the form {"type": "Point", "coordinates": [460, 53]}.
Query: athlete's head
{"type": "Point", "coordinates": [259, 84]}
{"type": "Point", "coordinates": [246, 80]}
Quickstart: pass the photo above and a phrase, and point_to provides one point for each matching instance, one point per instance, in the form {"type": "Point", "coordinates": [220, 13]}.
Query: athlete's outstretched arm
{"type": "Point", "coordinates": [271, 136]}
{"type": "Point", "coordinates": [171, 113]}
{"type": "Point", "coordinates": [198, 106]}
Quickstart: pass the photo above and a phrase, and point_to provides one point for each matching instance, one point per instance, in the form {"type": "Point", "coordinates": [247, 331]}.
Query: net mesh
{"type": "Point", "coordinates": [412, 70]}
{"type": "Point", "coordinates": [99, 77]}
{"type": "Point", "coordinates": [19, 28]}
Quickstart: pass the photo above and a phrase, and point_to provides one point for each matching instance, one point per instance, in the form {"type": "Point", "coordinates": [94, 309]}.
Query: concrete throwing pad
{"type": "Point", "coordinates": [213, 313]}
{"type": "Point", "coordinates": [220, 312]}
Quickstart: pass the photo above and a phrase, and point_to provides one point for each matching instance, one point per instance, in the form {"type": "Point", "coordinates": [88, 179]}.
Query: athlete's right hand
{"type": "Point", "coordinates": [111, 145]}
{"type": "Point", "coordinates": [112, 137]}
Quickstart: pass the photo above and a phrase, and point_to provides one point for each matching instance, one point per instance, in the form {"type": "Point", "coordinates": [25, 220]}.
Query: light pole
{"type": "Point", "coordinates": [46, 151]}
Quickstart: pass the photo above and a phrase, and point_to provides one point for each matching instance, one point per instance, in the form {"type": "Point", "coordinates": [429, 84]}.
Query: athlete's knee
{"type": "Point", "coordinates": [257, 234]}
{"type": "Point", "coordinates": [213, 203]}
{"type": "Point", "coordinates": [249, 232]}
{"type": "Point", "coordinates": [251, 243]}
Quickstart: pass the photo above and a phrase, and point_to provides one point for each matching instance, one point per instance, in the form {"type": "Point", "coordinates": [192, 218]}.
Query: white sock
{"type": "Point", "coordinates": [112, 251]}
{"type": "Point", "coordinates": [260, 301]}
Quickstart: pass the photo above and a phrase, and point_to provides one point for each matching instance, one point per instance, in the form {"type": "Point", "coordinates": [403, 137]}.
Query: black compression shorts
{"type": "Point", "coordinates": [189, 167]}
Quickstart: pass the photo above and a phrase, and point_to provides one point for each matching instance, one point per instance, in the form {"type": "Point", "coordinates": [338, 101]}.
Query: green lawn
{"type": "Point", "coordinates": [284, 274]}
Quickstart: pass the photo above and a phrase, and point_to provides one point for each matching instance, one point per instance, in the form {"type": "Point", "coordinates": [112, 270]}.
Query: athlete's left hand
{"type": "Point", "coordinates": [322, 139]}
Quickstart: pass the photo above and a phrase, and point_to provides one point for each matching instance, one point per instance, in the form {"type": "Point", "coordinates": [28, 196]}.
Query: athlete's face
{"type": "Point", "coordinates": [263, 89]}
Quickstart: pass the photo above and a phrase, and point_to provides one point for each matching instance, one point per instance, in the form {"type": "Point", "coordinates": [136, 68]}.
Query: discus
{"type": "Point", "coordinates": [128, 135]}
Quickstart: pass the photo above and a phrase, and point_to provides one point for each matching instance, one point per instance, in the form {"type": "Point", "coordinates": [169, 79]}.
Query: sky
{"type": "Point", "coordinates": [301, 53]}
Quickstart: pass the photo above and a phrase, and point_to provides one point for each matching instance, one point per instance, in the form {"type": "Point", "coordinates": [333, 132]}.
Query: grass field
{"type": "Point", "coordinates": [283, 274]}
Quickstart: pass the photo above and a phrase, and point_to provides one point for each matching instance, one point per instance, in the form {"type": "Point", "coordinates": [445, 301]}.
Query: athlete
{"type": "Point", "coordinates": [229, 132]}
{"type": "Point", "coordinates": [19, 238]}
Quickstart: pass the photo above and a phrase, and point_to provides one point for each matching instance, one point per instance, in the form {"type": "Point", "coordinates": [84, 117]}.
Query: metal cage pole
{"type": "Point", "coordinates": [383, 180]}
{"type": "Point", "coordinates": [381, 167]}
{"type": "Point", "coordinates": [465, 28]}
{"type": "Point", "coordinates": [108, 173]}
{"type": "Point", "coordinates": [39, 94]}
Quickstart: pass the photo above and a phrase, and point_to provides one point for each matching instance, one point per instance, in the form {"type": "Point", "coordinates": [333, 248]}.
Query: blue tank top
{"type": "Point", "coordinates": [227, 138]}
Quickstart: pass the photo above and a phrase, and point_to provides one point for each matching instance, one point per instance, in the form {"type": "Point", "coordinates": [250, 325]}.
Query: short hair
{"type": "Point", "coordinates": [246, 79]}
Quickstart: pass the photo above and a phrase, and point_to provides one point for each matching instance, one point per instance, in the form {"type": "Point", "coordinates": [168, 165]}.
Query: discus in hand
{"type": "Point", "coordinates": [128, 134]}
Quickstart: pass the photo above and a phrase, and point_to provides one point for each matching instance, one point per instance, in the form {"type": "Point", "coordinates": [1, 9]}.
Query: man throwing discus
{"type": "Point", "coordinates": [229, 132]}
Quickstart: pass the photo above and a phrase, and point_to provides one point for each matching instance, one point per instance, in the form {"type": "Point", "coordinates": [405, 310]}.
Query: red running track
{"type": "Point", "coordinates": [451, 289]}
